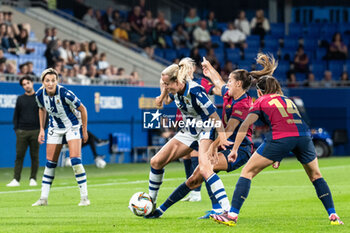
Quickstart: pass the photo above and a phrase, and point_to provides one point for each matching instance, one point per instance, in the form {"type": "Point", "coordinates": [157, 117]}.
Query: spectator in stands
{"type": "Point", "coordinates": [233, 37]}
{"type": "Point", "coordinates": [98, 17]}
{"type": "Point", "coordinates": [63, 51]}
{"type": "Point", "coordinates": [226, 71]}
{"type": "Point", "coordinates": [117, 20]}
{"type": "Point", "coordinates": [201, 36]}
{"type": "Point", "coordinates": [79, 8]}
{"type": "Point", "coordinates": [121, 32]}
{"type": "Point", "coordinates": [158, 36]}
{"type": "Point", "coordinates": [102, 63]}
{"type": "Point", "coordinates": [242, 24]}
{"type": "Point", "coordinates": [292, 80]}
{"type": "Point", "coordinates": [165, 24]}
{"type": "Point", "coordinates": [180, 37]}
{"type": "Point", "coordinates": [83, 52]}
{"type": "Point", "coordinates": [47, 37]}
{"type": "Point", "coordinates": [212, 24]}
{"type": "Point", "coordinates": [148, 22]}
{"type": "Point", "coordinates": [337, 49]}
{"type": "Point", "coordinates": [93, 48]}
{"type": "Point", "coordinates": [134, 79]}
{"type": "Point", "coordinates": [344, 80]}
{"type": "Point", "coordinates": [30, 68]}
{"type": "Point", "coordinates": [107, 20]}
{"type": "Point", "coordinates": [120, 71]}
{"type": "Point", "coordinates": [310, 81]}
{"type": "Point", "coordinates": [327, 80]}
{"type": "Point", "coordinates": [137, 34]}
{"type": "Point", "coordinates": [211, 57]}
{"type": "Point", "coordinates": [195, 56]}
{"type": "Point", "coordinates": [52, 53]}
{"type": "Point", "coordinates": [22, 39]}
{"type": "Point", "coordinates": [2, 64]}
{"type": "Point", "coordinates": [90, 19]}
{"type": "Point", "coordinates": [301, 61]}
{"type": "Point", "coordinates": [191, 20]}
{"type": "Point", "coordinates": [54, 33]}
{"type": "Point", "coordinates": [11, 67]}
{"type": "Point", "coordinates": [92, 72]}
{"type": "Point", "coordinates": [259, 24]}
{"type": "Point", "coordinates": [82, 76]}
{"type": "Point", "coordinates": [2, 17]}
{"type": "Point", "coordinates": [72, 53]}
{"type": "Point", "coordinates": [142, 5]}
{"type": "Point", "coordinates": [23, 69]}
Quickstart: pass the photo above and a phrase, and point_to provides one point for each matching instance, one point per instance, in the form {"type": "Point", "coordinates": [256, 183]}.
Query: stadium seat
{"type": "Point", "coordinates": [344, 28]}
{"type": "Point", "coordinates": [310, 43]}
{"type": "Point", "coordinates": [183, 52]}
{"type": "Point", "coordinates": [287, 54]}
{"type": "Point", "coordinates": [170, 54]}
{"type": "Point", "coordinates": [318, 68]}
{"type": "Point", "coordinates": [291, 43]}
{"type": "Point", "coordinates": [329, 29]}
{"type": "Point", "coordinates": [220, 55]}
{"type": "Point", "coordinates": [222, 26]}
{"type": "Point", "coordinates": [313, 30]}
{"type": "Point", "coordinates": [301, 77]}
{"type": "Point", "coordinates": [295, 29]}
{"type": "Point", "coordinates": [337, 68]}
{"type": "Point", "coordinates": [277, 30]}
{"type": "Point", "coordinates": [169, 41]}
{"type": "Point", "coordinates": [283, 66]}
{"type": "Point", "coordinates": [216, 41]}
{"type": "Point", "coordinates": [159, 52]}
{"type": "Point", "coordinates": [321, 53]}
{"type": "Point", "coordinates": [202, 52]}
{"type": "Point", "coordinates": [233, 55]}
{"type": "Point", "coordinates": [250, 56]}
{"type": "Point", "coordinates": [245, 64]}
{"type": "Point", "coordinates": [271, 44]}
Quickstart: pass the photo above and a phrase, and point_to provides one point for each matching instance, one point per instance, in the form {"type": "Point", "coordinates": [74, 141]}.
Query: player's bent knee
{"type": "Point", "coordinates": [156, 163]}
{"type": "Point", "coordinates": [194, 182]}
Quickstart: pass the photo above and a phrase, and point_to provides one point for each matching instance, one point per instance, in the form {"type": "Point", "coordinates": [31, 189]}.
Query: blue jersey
{"type": "Point", "coordinates": [194, 104]}
{"type": "Point", "coordinates": [61, 107]}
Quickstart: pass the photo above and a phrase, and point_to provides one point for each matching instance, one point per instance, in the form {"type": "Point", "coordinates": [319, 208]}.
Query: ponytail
{"type": "Point", "coordinates": [268, 63]}
{"type": "Point", "coordinates": [182, 72]}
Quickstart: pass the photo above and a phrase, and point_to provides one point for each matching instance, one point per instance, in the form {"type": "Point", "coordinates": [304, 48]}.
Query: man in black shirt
{"type": "Point", "coordinates": [26, 126]}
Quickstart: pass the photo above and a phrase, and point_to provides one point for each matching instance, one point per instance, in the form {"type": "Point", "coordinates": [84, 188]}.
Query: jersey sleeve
{"type": "Point", "coordinates": [224, 89]}
{"type": "Point", "coordinates": [240, 111]}
{"type": "Point", "coordinates": [39, 98]}
{"type": "Point", "coordinates": [171, 96]}
{"type": "Point", "coordinates": [256, 108]}
{"type": "Point", "coordinates": [71, 99]}
{"type": "Point", "coordinates": [208, 86]}
{"type": "Point", "coordinates": [204, 102]}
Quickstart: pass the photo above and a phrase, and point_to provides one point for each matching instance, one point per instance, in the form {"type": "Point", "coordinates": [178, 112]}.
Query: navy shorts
{"type": "Point", "coordinates": [244, 153]}
{"type": "Point", "coordinates": [276, 150]}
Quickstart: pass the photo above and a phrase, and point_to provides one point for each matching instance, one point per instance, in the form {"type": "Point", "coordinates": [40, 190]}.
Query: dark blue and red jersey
{"type": "Point", "coordinates": [236, 109]}
{"type": "Point", "coordinates": [281, 115]}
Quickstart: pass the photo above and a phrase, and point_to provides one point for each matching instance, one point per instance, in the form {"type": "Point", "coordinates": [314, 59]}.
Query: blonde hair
{"type": "Point", "coordinates": [269, 65]}
{"type": "Point", "coordinates": [182, 72]}
{"type": "Point", "coordinates": [48, 71]}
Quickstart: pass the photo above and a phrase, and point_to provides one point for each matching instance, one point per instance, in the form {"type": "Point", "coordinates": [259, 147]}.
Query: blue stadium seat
{"type": "Point", "coordinates": [295, 29]}
{"type": "Point", "coordinates": [347, 66]}
{"type": "Point", "coordinates": [271, 44]}
{"type": "Point", "coordinates": [283, 66]}
{"type": "Point", "coordinates": [313, 30]}
{"type": "Point", "coordinates": [250, 56]}
{"type": "Point", "coordinates": [291, 43]}
{"type": "Point", "coordinates": [287, 54]}
{"type": "Point", "coordinates": [222, 26]}
{"type": "Point", "coordinates": [301, 77]}
{"type": "Point", "coordinates": [321, 53]}
{"type": "Point", "coordinates": [183, 52]}
{"type": "Point", "coordinates": [159, 52]}
{"type": "Point", "coordinates": [310, 43]}
{"type": "Point", "coordinates": [318, 67]}
{"type": "Point", "coordinates": [170, 54]}
{"type": "Point", "coordinates": [233, 55]}
{"type": "Point", "coordinates": [329, 29]}
{"type": "Point", "coordinates": [310, 54]}
{"type": "Point", "coordinates": [277, 30]}
{"type": "Point", "coordinates": [244, 64]}
{"type": "Point", "coordinates": [337, 68]}
{"type": "Point", "coordinates": [202, 52]}
{"type": "Point", "coordinates": [215, 40]}
{"type": "Point", "coordinates": [344, 28]}
{"type": "Point", "coordinates": [220, 55]}
{"type": "Point", "coordinates": [169, 41]}
{"type": "Point", "coordinates": [281, 75]}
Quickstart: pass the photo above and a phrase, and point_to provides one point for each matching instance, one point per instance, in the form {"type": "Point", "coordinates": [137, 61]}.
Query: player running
{"type": "Point", "coordinates": [67, 124]}
{"type": "Point", "coordinates": [235, 109]}
{"type": "Point", "coordinates": [195, 106]}
{"type": "Point", "coordinates": [288, 133]}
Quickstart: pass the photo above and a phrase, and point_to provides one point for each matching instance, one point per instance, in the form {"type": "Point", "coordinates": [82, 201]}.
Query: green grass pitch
{"type": "Point", "coordinates": [279, 201]}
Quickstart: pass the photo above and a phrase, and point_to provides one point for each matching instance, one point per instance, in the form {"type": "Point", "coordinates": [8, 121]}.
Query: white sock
{"type": "Point", "coordinates": [48, 177]}
{"type": "Point", "coordinates": [80, 176]}
{"type": "Point", "coordinates": [155, 181]}
{"type": "Point", "coordinates": [217, 188]}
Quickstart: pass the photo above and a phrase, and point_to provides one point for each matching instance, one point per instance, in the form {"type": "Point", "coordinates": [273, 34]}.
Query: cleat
{"type": "Point", "coordinates": [335, 220]}
{"type": "Point", "coordinates": [102, 142]}
{"type": "Point", "coordinates": [41, 202]}
{"type": "Point", "coordinates": [194, 196]}
{"type": "Point", "coordinates": [208, 213]}
{"type": "Point", "coordinates": [32, 182]}
{"type": "Point", "coordinates": [13, 183]}
{"type": "Point", "coordinates": [156, 214]}
{"type": "Point", "coordinates": [224, 218]}
{"type": "Point", "coordinates": [84, 202]}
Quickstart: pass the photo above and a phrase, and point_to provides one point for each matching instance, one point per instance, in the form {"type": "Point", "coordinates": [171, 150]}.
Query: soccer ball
{"type": "Point", "coordinates": [141, 204]}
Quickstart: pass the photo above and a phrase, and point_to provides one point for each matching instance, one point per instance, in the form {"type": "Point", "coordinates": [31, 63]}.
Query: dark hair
{"type": "Point", "coordinates": [25, 78]}
{"type": "Point", "coordinates": [269, 65]}
{"type": "Point", "coordinates": [269, 85]}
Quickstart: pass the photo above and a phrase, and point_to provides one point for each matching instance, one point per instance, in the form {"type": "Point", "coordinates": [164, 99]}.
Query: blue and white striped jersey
{"type": "Point", "coordinates": [194, 104]}
{"type": "Point", "coordinates": [61, 107]}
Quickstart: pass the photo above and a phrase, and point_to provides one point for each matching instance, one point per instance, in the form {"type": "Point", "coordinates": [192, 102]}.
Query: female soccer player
{"type": "Point", "coordinates": [67, 124]}
{"type": "Point", "coordinates": [235, 108]}
{"type": "Point", "coordinates": [288, 132]}
{"type": "Point", "coordinates": [195, 106]}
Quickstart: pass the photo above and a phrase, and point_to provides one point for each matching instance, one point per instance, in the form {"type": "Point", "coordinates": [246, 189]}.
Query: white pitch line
{"type": "Point", "coordinates": [168, 179]}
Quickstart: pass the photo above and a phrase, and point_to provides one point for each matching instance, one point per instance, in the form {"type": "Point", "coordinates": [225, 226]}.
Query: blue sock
{"type": "Point", "coordinates": [324, 194]}
{"type": "Point", "coordinates": [194, 163]}
{"type": "Point", "coordinates": [155, 181]}
{"type": "Point", "coordinates": [188, 167]}
{"type": "Point", "coordinates": [218, 190]}
{"type": "Point", "coordinates": [214, 203]}
{"type": "Point", "coordinates": [179, 193]}
{"type": "Point", "coordinates": [240, 194]}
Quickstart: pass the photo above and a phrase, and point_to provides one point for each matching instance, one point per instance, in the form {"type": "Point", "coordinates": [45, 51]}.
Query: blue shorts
{"type": "Point", "coordinates": [276, 150]}
{"type": "Point", "coordinates": [244, 153]}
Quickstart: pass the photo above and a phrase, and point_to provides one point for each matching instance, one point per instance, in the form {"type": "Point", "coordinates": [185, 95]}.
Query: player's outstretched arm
{"type": "Point", "coordinates": [213, 75]}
